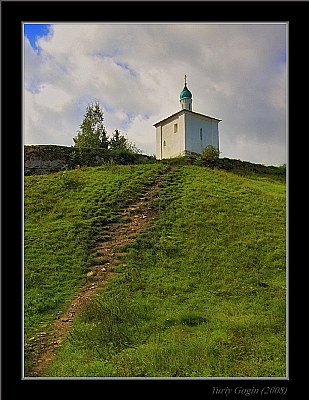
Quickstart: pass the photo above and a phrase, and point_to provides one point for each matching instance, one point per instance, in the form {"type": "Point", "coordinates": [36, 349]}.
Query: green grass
{"type": "Point", "coordinates": [201, 293]}
{"type": "Point", "coordinates": [65, 213]}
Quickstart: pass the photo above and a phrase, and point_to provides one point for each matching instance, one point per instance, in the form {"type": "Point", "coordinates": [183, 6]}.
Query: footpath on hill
{"type": "Point", "coordinates": [133, 220]}
{"type": "Point", "coordinates": [187, 277]}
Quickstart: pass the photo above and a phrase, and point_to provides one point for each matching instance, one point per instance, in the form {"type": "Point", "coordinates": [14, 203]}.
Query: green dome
{"type": "Point", "coordinates": [185, 94]}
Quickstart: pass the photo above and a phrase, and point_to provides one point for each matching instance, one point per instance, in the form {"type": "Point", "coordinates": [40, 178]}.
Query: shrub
{"type": "Point", "coordinates": [210, 154]}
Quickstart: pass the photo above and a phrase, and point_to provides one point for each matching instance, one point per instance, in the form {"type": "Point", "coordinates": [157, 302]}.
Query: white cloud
{"type": "Point", "coordinates": [53, 98]}
{"type": "Point", "coordinates": [135, 71]}
{"type": "Point", "coordinates": [277, 90]}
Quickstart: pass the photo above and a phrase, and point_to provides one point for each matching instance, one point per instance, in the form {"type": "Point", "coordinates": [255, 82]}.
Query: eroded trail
{"type": "Point", "coordinates": [108, 255]}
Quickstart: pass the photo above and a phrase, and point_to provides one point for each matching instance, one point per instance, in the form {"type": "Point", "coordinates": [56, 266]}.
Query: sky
{"type": "Point", "coordinates": [235, 72]}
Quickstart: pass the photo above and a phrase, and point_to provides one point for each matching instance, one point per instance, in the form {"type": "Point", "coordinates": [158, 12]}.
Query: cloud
{"type": "Point", "coordinates": [236, 72]}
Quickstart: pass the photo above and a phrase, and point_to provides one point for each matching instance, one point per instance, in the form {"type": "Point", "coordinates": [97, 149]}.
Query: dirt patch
{"type": "Point", "coordinates": [108, 255]}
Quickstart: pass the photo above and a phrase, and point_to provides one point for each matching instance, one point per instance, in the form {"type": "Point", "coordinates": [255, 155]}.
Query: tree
{"type": "Point", "coordinates": [92, 133]}
{"type": "Point", "coordinates": [210, 154]}
{"type": "Point", "coordinates": [119, 143]}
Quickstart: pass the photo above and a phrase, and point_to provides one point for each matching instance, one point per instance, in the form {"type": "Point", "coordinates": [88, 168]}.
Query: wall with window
{"type": "Point", "coordinates": [170, 137]}
{"type": "Point", "coordinates": [200, 132]}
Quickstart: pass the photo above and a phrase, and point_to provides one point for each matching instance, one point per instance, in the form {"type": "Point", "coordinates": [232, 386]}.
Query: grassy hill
{"type": "Point", "coordinates": [201, 292]}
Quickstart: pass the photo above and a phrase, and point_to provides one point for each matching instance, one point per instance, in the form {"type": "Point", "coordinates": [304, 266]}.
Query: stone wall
{"type": "Point", "coordinates": [40, 159]}
{"type": "Point", "coordinates": [45, 158]}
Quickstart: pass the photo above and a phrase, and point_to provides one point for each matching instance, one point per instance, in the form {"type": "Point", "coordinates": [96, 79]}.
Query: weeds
{"type": "Point", "coordinates": [67, 181]}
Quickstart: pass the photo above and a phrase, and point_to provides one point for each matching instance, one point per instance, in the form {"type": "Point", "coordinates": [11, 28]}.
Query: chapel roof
{"type": "Point", "coordinates": [185, 94]}
{"type": "Point", "coordinates": [186, 111]}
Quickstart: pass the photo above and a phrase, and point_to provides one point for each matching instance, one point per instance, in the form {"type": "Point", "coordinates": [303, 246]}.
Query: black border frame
{"type": "Point", "coordinates": [13, 13]}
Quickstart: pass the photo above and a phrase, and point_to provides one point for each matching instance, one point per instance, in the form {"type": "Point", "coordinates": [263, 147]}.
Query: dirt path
{"type": "Point", "coordinates": [135, 219]}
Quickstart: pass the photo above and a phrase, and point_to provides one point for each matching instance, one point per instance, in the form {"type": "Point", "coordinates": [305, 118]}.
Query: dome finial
{"type": "Point", "coordinates": [186, 97]}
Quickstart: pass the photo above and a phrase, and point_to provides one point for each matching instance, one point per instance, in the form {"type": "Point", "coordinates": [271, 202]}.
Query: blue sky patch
{"type": "Point", "coordinates": [127, 68]}
{"type": "Point", "coordinates": [34, 31]}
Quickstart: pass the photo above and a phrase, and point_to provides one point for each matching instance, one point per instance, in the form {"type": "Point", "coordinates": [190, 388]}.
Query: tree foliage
{"type": "Point", "coordinates": [121, 144]}
{"type": "Point", "coordinates": [118, 141]}
{"type": "Point", "coordinates": [92, 133]}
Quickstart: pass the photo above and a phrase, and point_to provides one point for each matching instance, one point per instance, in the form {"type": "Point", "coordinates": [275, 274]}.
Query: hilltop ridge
{"type": "Point", "coordinates": [52, 158]}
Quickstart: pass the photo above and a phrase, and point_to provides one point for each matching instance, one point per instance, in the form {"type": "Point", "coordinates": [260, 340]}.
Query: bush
{"type": "Point", "coordinates": [210, 155]}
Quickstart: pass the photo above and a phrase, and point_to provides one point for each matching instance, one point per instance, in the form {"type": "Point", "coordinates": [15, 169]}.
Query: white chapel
{"type": "Point", "coordinates": [185, 132]}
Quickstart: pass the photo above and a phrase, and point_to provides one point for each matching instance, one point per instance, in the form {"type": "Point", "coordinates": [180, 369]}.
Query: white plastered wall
{"type": "Point", "coordinates": [200, 132]}
{"type": "Point", "coordinates": [169, 138]}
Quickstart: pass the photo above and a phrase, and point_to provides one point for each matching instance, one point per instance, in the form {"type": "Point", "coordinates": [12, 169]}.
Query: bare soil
{"type": "Point", "coordinates": [108, 255]}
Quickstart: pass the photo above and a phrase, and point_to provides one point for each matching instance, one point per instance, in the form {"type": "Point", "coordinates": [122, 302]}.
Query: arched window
{"type": "Point", "coordinates": [164, 143]}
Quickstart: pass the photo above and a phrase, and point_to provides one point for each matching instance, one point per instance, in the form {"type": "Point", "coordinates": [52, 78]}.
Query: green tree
{"type": "Point", "coordinates": [119, 143]}
{"type": "Point", "coordinates": [92, 133]}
